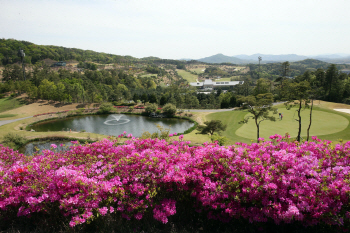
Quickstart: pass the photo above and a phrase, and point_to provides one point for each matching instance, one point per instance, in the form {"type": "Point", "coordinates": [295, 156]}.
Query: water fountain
{"type": "Point", "coordinates": [115, 119]}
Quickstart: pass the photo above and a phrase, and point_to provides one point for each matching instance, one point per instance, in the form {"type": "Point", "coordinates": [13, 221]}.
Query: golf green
{"type": "Point", "coordinates": [323, 123]}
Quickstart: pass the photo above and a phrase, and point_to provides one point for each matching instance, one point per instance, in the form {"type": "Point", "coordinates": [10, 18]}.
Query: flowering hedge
{"type": "Point", "coordinates": [276, 180]}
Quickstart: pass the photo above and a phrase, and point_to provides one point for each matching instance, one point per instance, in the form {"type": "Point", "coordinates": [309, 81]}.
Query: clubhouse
{"type": "Point", "coordinates": [208, 84]}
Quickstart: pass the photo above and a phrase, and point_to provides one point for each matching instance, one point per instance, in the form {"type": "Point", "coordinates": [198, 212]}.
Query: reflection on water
{"type": "Point", "coordinates": [114, 124]}
{"type": "Point", "coordinates": [38, 147]}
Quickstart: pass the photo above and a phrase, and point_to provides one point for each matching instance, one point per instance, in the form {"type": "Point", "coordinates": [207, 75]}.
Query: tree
{"type": "Point", "coordinates": [259, 107]}
{"type": "Point", "coordinates": [262, 86]}
{"type": "Point", "coordinates": [169, 109]}
{"type": "Point", "coordinates": [163, 100]}
{"type": "Point", "coordinates": [285, 68]}
{"type": "Point", "coordinates": [144, 98]}
{"type": "Point", "coordinates": [300, 93]}
{"type": "Point", "coordinates": [135, 98]}
{"type": "Point", "coordinates": [211, 127]}
{"type": "Point", "coordinates": [152, 98]}
{"type": "Point", "coordinates": [150, 108]}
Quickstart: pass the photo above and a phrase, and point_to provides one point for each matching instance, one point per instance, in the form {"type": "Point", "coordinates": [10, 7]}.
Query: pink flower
{"type": "Point", "coordinates": [53, 146]}
{"type": "Point", "coordinates": [181, 137]}
{"type": "Point", "coordinates": [103, 211]}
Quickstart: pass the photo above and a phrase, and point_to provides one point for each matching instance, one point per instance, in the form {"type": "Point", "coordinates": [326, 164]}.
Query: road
{"type": "Point", "coordinates": [14, 120]}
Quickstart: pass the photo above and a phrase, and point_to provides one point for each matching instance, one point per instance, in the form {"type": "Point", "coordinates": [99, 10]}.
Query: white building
{"type": "Point", "coordinates": [208, 84]}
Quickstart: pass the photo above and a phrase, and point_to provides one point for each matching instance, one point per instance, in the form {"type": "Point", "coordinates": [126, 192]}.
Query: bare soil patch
{"type": "Point", "coordinates": [44, 106]}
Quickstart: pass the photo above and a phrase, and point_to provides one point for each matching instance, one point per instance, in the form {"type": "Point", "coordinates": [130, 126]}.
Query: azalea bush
{"type": "Point", "coordinates": [277, 181]}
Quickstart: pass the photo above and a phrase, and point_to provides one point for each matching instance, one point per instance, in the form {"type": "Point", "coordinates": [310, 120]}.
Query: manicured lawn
{"type": "Point", "coordinates": [9, 103]}
{"type": "Point", "coordinates": [323, 123]}
{"type": "Point", "coordinates": [231, 118]}
{"type": "Point", "coordinates": [326, 124]}
{"type": "Point", "coordinates": [187, 75]}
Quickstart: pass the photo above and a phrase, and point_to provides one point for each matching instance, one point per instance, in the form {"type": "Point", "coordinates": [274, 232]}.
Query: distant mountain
{"type": "Point", "coordinates": [269, 58]}
{"type": "Point", "coordinates": [334, 59]}
{"type": "Point", "coordinates": [272, 58]}
{"type": "Point", "coordinates": [220, 58]}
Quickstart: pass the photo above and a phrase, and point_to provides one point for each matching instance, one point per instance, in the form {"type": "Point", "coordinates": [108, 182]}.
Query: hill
{"type": "Point", "coordinates": [220, 58]}
{"type": "Point", "coordinates": [34, 53]}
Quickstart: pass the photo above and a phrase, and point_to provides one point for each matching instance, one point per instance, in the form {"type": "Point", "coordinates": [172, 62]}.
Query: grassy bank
{"type": "Point", "coordinates": [10, 103]}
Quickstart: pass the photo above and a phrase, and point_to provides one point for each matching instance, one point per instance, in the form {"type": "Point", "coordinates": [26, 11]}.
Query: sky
{"type": "Point", "coordinates": [182, 28]}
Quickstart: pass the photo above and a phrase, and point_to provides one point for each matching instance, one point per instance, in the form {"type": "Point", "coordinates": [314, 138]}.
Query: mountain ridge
{"type": "Point", "coordinates": [270, 58]}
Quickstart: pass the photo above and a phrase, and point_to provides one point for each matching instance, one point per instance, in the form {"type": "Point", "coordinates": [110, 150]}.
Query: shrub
{"type": "Point", "coordinates": [217, 138]}
{"type": "Point", "coordinates": [105, 108]}
{"type": "Point", "coordinates": [278, 181]}
{"type": "Point", "coordinates": [14, 140]}
{"type": "Point", "coordinates": [151, 108]}
{"type": "Point", "coordinates": [169, 109]}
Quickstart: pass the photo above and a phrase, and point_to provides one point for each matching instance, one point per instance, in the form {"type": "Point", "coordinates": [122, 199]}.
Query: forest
{"type": "Point", "coordinates": [100, 77]}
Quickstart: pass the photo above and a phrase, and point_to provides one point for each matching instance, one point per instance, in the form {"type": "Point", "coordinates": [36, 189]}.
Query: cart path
{"type": "Point", "coordinates": [14, 120]}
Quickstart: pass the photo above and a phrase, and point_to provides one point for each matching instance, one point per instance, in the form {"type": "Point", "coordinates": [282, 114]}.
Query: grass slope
{"type": "Point", "coordinates": [231, 118]}
{"type": "Point", "coordinates": [187, 75]}
{"type": "Point", "coordinates": [9, 103]}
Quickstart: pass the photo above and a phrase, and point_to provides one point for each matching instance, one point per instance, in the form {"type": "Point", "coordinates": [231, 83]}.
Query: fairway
{"type": "Point", "coordinates": [323, 123]}
{"type": "Point", "coordinates": [326, 124]}
{"type": "Point", "coordinates": [231, 119]}
{"type": "Point", "coordinates": [188, 76]}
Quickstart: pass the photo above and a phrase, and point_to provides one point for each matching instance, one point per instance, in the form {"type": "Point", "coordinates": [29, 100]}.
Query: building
{"type": "Point", "coordinates": [60, 63]}
{"type": "Point", "coordinates": [208, 84]}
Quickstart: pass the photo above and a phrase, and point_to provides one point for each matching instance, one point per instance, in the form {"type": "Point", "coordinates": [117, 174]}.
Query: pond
{"type": "Point", "coordinates": [114, 124]}
{"type": "Point", "coordinates": [37, 147]}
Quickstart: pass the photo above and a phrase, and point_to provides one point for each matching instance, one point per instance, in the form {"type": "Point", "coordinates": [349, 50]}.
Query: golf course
{"type": "Point", "coordinates": [326, 122]}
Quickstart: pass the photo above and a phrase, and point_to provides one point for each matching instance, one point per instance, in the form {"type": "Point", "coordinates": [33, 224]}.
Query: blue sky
{"type": "Point", "coordinates": [182, 28]}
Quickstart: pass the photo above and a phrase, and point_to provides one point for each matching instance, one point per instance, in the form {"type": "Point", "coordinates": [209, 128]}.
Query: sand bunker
{"type": "Point", "coordinates": [342, 110]}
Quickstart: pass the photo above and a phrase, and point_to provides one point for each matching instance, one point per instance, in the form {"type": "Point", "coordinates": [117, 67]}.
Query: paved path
{"type": "Point", "coordinates": [10, 121]}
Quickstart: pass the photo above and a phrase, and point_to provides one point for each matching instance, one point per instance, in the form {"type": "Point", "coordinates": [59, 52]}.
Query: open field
{"type": "Point", "coordinates": [187, 75]}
